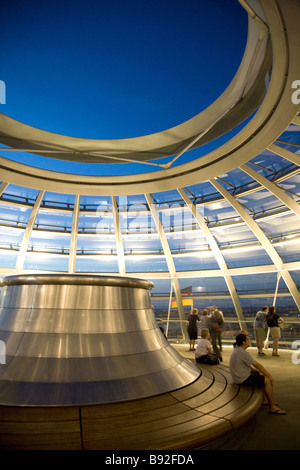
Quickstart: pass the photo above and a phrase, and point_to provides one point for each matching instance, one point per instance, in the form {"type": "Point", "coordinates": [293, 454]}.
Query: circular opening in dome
{"type": "Point", "coordinates": [111, 70]}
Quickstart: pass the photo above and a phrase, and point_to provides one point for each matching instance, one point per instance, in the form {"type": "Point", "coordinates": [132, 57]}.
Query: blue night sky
{"type": "Point", "coordinates": [115, 69]}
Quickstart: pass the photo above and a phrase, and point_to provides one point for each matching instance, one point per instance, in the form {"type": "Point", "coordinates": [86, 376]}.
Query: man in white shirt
{"type": "Point", "coordinates": [203, 352]}
{"type": "Point", "coordinates": [241, 363]}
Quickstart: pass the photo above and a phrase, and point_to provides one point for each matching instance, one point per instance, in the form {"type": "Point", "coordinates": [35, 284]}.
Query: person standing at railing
{"type": "Point", "coordinates": [217, 321]}
{"type": "Point", "coordinates": [259, 329]}
{"type": "Point", "coordinates": [205, 320]}
{"type": "Point", "coordinates": [192, 328]}
{"type": "Point", "coordinates": [273, 320]}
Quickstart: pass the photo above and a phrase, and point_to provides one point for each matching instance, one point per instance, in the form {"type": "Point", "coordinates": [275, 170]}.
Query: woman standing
{"type": "Point", "coordinates": [192, 328]}
{"type": "Point", "coordinates": [273, 320]}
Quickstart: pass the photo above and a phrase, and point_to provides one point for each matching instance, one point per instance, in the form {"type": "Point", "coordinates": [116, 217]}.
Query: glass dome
{"type": "Point", "coordinates": [210, 215]}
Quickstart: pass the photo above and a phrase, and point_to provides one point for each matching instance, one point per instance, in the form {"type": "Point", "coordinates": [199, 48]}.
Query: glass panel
{"type": "Point", "coordinates": [58, 200]}
{"type": "Point", "coordinates": [188, 241]}
{"type": "Point", "coordinates": [14, 215]}
{"type": "Point", "coordinates": [288, 250]}
{"type": "Point", "coordinates": [234, 234]}
{"type": "Point", "coordinates": [8, 259]}
{"type": "Point", "coordinates": [46, 262]}
{"type": "Point", "coordinates": [95, 202]}
{"type": "Point", "coordinates": [88, 223]}
{"type": "Point", "coordinates": [11, 237]}
{"type": "Point", "coordinates": [242, 257]}
{"type": "Point", "coordinates": [167, 198]}
{"type": "Point", "coordinates": [97, 264]}
{"type": "Point", "coordinates": [20, 194]}
{"type": "Point", "coordinates": [142, 244]}
{"type": "Point", "coordinates": [236, 179]}
{"type": "Point", "coordinates": [132, 202]}
{"type": "Point", "coordinates": [47, 241]}
{"type": "Point", "coordinates": [291, 186]}
{"type": "Point", "coordinates": [96, 244]}
{"type": "Point", "coordinates": [280, 225]}
{"type": "Point", "coordinates": [269, 163]}
{"type": "Point", "coordinates": [195, 262]}
{"type": "Point", "coordinates": [220, 211]}
{"type": "Point", "coordinates": [57, 221]}
{"type": "Point", "coordinates": [296, 278]}
{"type": "Point", "coordinates": [139, 263]}
{"type": "Point", "coordinates": [137, 222]}
{"type": "Point", "coordinates": [260, 202]}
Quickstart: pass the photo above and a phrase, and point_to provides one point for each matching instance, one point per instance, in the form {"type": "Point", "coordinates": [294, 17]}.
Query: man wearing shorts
{"type": "Point", "coordinates": [241, 363]}
{"type": "Point", "coordinates": [259, 329]}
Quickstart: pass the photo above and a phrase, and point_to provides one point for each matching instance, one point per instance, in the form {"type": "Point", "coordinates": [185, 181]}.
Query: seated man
{"type": "Point", "coordinates": [203, 353]}
{"type": "Point", "coordinates": [240, 365]}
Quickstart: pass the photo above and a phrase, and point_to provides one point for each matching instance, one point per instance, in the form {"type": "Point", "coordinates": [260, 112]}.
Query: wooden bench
{"type": "Point", "coordinates": [186, 418]}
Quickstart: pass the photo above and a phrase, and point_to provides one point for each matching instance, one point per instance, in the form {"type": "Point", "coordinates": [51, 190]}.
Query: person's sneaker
{"type": "Point", "coordinates": [261, 353]}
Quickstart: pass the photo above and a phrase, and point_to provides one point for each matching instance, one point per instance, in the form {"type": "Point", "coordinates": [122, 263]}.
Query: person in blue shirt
{"type": "Point", "coordinates": [259, 329]}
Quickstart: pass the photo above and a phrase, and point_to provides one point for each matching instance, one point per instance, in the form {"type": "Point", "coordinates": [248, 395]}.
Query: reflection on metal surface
{"type": "Point", "coordinates": [75, 340]}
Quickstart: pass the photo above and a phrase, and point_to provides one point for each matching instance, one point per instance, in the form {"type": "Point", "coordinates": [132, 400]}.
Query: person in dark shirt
{"type": "Point", "coordinates": [273, 320]}
{"type": "Point", "coordinates": [192, 328]}
{"type": "Point", "coordinates": [217, 321]}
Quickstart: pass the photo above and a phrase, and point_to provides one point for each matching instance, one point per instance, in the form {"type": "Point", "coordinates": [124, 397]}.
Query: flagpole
{"type": "Point", "coordinates": [169, 309]}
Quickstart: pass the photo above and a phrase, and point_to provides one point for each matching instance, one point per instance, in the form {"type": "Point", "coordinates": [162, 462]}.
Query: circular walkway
{"type": "Point", "coordinates": [186, 418]}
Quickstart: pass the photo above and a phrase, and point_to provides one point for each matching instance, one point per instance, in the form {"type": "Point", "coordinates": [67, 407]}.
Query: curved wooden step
{"type": "Point", "coordinates": [186, 418]}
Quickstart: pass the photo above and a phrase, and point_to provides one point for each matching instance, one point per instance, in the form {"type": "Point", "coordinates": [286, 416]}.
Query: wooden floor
{"type": "Point", "coordinates": [187, 418]}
